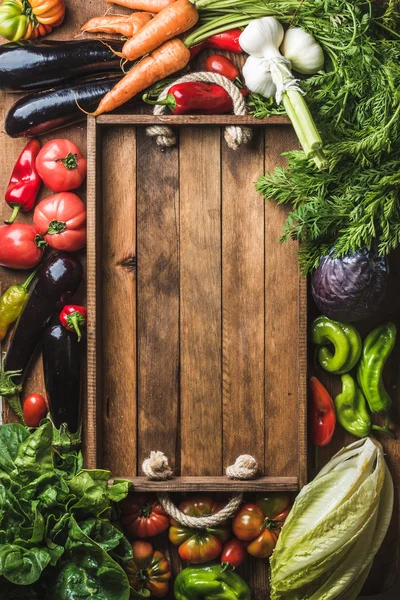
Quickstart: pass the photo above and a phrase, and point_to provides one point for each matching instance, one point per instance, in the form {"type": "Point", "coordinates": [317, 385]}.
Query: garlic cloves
{"type": "Point", "coordinates": [303, 51]}
{"type": "Point", "coordinates": [262, 38]}
{"type": "Point", "coordinates": [257, 76]}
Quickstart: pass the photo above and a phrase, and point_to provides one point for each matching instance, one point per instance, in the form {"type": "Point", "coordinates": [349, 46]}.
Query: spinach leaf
{"type": "Point", "coordinates": [119, 490]}
{"type": "Point", "coordinates": [22, 566]}
{"type": "Point", "coordinates": [35, 454]}
{"type": "Point", "coordinates": [11, 436]}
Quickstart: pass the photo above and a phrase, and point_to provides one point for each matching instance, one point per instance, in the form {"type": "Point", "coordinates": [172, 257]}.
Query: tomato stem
{"type": "Point", "coordinates": [56, 227]}
{"type": "Point", "coordinates": [70, 162]}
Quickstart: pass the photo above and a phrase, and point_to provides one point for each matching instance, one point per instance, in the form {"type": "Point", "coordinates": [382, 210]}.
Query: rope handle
{"type": "Point", "coordinates": [234, 136]}
{"type": "Point", "coordinates": [156, 467]}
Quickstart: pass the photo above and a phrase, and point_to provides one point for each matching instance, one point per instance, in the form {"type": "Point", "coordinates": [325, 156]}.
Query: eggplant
{"type": "Point", "coordinates": [28, 65]}
{"type": "Point", "coordinates": [57, 281]}
{"type": "Point", "coordinates": [62, 376]}
{"type": "Point", "coordinates": [44, 111]}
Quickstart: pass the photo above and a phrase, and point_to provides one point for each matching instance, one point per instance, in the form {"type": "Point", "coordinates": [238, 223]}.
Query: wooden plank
{"type": "Point", "coordinates": [215, 484]}
{"type": "Point", "coordinates": [158, 299]}
{"type": "Point", "coordinates": [200, 260]}
{"type": "Point", "coordinates": [190, 120]}
{"type": "Point", "coordinates": [281, 328]}
{"type": "Point", "coordinates": [243, 302]}
{"type": "Point", "coordinates": [119, 300]}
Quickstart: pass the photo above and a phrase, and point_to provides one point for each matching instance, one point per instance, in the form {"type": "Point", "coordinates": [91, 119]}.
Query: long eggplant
{"type": "Point", "coordinates": [27, 65]}
{"type": "Point", "coordinates": [58, 279]}
{"type": "Point", "coordinates": [44, 111]}
{"type": "Point", "coordinates": [62, 376]}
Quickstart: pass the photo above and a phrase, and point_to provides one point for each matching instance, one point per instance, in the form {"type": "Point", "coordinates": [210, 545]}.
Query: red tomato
{"type": "Point", "coordinates": [35, 409]}
{"type": "Point", "coordinates": [233, 553]}
{"type": "Point", "coordinates": [20, 246]}
{"type": "Point", "coordinates": [143, 519]}
{"type": "Point", "coordinates": [259, 524]}
{"type": "Point", "coordinates": [216, 63]}
{"type": "Point", "coordinates": [61, 219]}
{"type": "Point", "coordinates": [61, 165]}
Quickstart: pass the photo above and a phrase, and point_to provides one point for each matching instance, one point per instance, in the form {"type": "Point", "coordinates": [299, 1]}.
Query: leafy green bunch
{"type": "Point", "coordinates": [59, 537]}
{"type": "Point", "coordinates": [355, 102]}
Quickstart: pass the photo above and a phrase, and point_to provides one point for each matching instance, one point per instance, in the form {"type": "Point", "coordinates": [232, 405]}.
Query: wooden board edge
{"type": "Point", "coordinates": [190, 120]}
{"type": "Point", "coordinates": [93, 392]}
{"type": "Point", "coordinates": [302, 353]}
{"type": "Point", "coordinates": [213, 484]}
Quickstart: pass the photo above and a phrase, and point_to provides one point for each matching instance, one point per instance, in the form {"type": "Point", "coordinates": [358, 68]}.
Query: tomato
{"type": "Point", "coordinates": [199, 545]}
{"type": "Point", "coordinates": [61, 219]}
{"type": "Point", "coordinates": [20, 246]}
{"type": "Point", "coordinates": [142, 518]}
{"type": "Point", "coordinates": [61, 165]}
{"type": "Point", "coordinates": [259, 524]}
{"type": "Point", "coordinates": [233, 553]}
{"type": "Point", "coordinates": [216, 63]}
{"type": "Point", "coordinates": [148, 570]}
{"type": "Point", "coordinates": [29, 18]}
{"type": "Point", "coordinates": [35, 409]}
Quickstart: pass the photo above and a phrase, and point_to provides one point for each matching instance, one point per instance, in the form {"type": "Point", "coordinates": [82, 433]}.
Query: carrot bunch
{"type": "Point", "coordinates": [152, 32]}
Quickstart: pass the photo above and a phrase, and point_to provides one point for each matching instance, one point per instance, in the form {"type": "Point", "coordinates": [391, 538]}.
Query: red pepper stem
{"type": "Point", "coordinates": [74, 320]}
{"type": "Point", "coordinates": [31, 277]}
{"type": "Point", "coordinates": [169, 101]}
{"type": "Point", "coordinates": [16, 208]}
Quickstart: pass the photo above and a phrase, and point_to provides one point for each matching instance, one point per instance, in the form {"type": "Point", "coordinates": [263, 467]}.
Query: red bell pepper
{"type": "Point", "coordinates": [228, 40]}
{"type": "Point", "coordinates": [196, 97]}
{"type": "Point", "coordinates": [322, 415]}
{"type": "Point", "coordinates": [25, 182]}
{"type": "Point", "coordinates": [74, 317]}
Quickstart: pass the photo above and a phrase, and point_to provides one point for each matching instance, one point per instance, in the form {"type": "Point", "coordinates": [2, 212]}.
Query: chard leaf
{"type": "Point", "coordinates": [22, 566]}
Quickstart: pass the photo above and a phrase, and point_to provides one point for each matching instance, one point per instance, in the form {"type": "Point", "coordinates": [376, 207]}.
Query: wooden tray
{"type": "Point", "coordinates": [197, 339]}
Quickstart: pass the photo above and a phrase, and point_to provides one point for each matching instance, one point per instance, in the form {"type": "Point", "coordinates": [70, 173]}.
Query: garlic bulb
{"type": "Point", "coordinates": [262, 38]}
{"type": "Point", "coordinates": [304, 53]}
{"type": "Point", "coordinates": [257, 76]}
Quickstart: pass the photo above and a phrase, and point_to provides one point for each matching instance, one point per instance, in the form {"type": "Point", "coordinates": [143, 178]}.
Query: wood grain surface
{"type": "Point", "coordinates": [143, 282]}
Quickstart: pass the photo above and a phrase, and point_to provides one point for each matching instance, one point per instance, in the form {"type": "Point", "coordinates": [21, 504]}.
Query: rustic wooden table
{"type": "Point", "coordinates": [386, 567]}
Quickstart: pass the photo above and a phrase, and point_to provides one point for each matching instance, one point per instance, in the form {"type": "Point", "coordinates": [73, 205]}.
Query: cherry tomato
{"type": "Point", "coordinates": [35, 409]}
{"type": "Point", "coordinates": [216, 63]}
{"type": "Point", "coordinates": [61, 220]}
{"type": "Point", "coordinates": [20, 246]}
{"type": "Point", "coordinates": [61, 165]}
{"type": "Point", "coordinates": [233, 553]}
{"type": "Point", "coordinates": [142, 518]}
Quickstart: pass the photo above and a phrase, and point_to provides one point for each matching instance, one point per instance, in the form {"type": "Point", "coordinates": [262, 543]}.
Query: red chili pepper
{"type": "Point", "coordinates": [196, 97]}
{"type": "Point", "coordinates": [322, 415]}
{"type": "Point", "coordinates": [74, 317]}
{"type": "Point", "coordinates": [25, 182]}
{"type": "Point", "coordinates": [216, 63]}
{"type": "Point", "coordinates": [228, 40]}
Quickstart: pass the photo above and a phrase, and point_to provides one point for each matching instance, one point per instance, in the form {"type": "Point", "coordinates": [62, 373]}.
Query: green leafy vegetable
{"type": "Point", "coordinates": [335, 528]}
{"type": "Point", "coordinates": [355, 102]}
{"type": "Point", "coordinates": [58, 529]}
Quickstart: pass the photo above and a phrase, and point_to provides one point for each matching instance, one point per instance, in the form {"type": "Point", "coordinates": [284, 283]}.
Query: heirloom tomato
{"type": "Point", "coordinates": [61, 220]}
{"type": "Point", "coordinates": [143, 518]}
{"type": "Point", "coordinates": [148, 570]}
{"type": "Point", "coordinates": [199, 545]}
{"type": "Point", "coordinates": [259, 524]}
{"type": "Point", "coordinates": [61, 165]}
{"type": "Point", "coordinates": [26, 19]}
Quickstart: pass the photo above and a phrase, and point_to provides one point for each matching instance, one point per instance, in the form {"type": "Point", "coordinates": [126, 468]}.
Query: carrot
{"type": "Point", "coordinates": [170, 22]}
{"type": "Point", "coordinates": [170, 57]}
{"type": "Point", "coordinates": [125, 25]}
{"type": "Point", "coordinates": [154, 6]}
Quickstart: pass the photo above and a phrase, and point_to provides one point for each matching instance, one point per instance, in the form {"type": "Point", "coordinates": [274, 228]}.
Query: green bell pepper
{"type": "Point", "coordinates": [378, 346]}
{"type": "Point", "coordinates": [343, 337]}
{"type": "Point", "coordinates": [210, 582]}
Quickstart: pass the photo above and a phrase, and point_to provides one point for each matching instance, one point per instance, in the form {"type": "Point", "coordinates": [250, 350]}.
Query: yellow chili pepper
{"type": "Point", "coordinates": [11, 304]}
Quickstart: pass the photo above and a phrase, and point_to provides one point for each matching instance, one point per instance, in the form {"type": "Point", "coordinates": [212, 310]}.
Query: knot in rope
{"type": "Point", "coordinates": [156, 466]}
{"type": "Point", "coordinates": [245, 467]}
{"type": "Point", "coordinates": [235, 136]}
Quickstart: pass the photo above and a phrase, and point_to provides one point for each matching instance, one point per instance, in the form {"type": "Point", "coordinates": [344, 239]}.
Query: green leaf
{"type": "Point", "coordinates": [35, 454]}
{"type": "Point", "coordinates": [91, 491]}
{"type": "Point", "coordinates": [22, 566]}
{"type": "Point", "coordinates": [11, 437]}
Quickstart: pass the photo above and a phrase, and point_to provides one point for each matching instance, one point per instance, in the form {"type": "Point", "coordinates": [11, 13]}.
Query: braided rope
{"type": "Point", "coordinates": [235, 136]}
{"type": "Point", "coordinates": [200, 522]}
